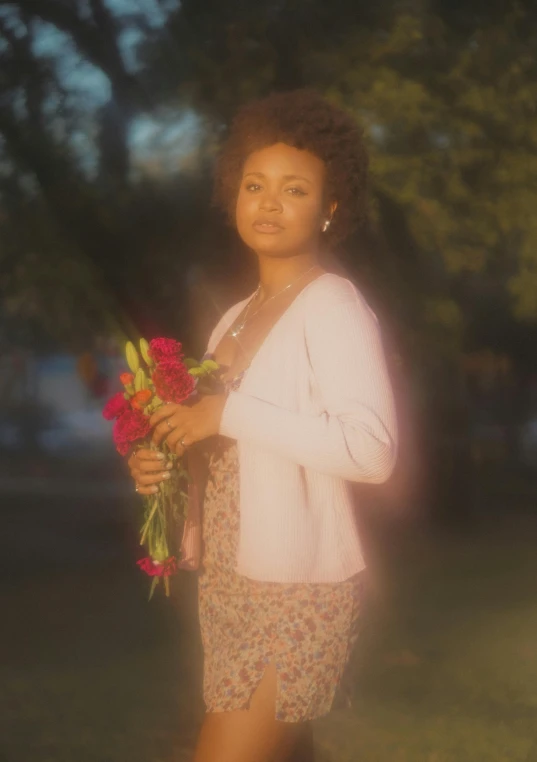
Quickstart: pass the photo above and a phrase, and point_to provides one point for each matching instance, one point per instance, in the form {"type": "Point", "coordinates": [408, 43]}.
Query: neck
{"type": "Point", "coordinates": [276, 273]}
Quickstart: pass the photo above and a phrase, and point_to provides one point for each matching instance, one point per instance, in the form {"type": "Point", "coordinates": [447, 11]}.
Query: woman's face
{"type": "Point", "coordinates": [281, 205]}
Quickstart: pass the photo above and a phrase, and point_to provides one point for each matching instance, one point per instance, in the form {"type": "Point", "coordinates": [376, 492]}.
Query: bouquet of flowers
{"type": "Point", "coordinates": [159, 374]}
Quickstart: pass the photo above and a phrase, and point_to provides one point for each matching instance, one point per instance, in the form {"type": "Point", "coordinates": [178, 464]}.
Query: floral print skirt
{"type": "Point", "coordinates": [307, 630]}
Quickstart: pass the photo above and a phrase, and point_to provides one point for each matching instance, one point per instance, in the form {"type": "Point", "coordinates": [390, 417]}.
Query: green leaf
{"type": "Point", "coordinates": [190, 362]}
{"type": "Point", "coordinates": [210, 365]}
{"type": "Point", "coordinates": [199, 371]}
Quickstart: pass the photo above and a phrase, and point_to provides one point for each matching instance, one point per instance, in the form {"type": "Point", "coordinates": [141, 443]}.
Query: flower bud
{"type": "Point", "coordinates": [133, 361]}
{"type": "Point", "coordinates": [140, 380]}
{"type": "Point", "coordinates": [144, 351]}
{"type": "Point", "coordinates": [141, 399]}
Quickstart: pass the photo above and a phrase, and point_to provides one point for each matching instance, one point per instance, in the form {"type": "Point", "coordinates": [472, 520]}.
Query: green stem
{"type": "Point", "coordinates": [150, 517]}
{"type": "Point", "coordinates": [154, 583]}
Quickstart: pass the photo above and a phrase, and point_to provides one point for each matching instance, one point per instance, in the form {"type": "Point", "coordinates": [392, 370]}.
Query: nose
{"type": "Point", "coordinates": [269, 202]}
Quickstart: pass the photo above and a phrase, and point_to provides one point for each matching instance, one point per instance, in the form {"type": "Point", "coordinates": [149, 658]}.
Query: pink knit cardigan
{"type": "Point", "coordinates": [313, 412]}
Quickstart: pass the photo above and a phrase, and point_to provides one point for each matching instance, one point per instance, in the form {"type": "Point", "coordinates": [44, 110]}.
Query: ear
{"type": "Point", "coordinates": [332, 206]}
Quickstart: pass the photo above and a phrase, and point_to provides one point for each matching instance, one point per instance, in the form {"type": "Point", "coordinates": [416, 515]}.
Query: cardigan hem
{"type": "Point", "coordinates": [296, 579]}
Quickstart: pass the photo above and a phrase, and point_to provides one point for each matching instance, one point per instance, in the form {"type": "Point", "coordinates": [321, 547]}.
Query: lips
{"type": "Point", "coordinates": [267, 226]}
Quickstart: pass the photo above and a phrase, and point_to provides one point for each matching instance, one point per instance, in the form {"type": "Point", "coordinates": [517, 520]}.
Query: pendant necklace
{"type": "Point", "coordinates": [238, 329]}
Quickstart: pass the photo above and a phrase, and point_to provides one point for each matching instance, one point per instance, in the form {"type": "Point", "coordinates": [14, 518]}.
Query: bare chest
{"type": "Point", "coordinates": [235, 353]}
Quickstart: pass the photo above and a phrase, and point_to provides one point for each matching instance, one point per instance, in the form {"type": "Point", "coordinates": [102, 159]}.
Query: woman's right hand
{"type": "Point", "coordinates": [148, 468]}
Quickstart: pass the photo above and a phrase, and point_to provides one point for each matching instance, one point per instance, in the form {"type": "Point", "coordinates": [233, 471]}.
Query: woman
{"type": "Point", "coordinates": [308, 408]}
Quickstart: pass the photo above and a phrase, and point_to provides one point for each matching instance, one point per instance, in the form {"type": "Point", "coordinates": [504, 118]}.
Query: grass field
{"type": "Point", "coordinates": [451, 675]}
{"type": "Point", "coordinates": [446, 670]}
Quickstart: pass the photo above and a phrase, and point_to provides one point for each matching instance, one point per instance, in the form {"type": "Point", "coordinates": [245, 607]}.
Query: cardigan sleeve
{"type": "Point", "coordinates": [355, 436]}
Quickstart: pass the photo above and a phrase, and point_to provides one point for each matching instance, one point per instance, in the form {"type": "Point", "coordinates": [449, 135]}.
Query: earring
{"type": "Point", "coordinates": [326, 225]}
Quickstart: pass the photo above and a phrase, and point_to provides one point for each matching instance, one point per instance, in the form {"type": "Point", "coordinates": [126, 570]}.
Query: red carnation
{"type": "Point", "coordinates": [115, 406]}
{"type": "Point", "coordinates": [155, 569]}
{"type": "Point", "coordinates": [165, 349]}
{"type": "Point", "coordinates": [130, 427]}
{"type": "Point", "coordinates": [147, 566]}
{"type": "Point", "coordinates": [173, 382]}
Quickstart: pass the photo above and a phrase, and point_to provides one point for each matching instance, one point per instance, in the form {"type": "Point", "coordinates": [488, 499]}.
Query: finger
{"type": "Point", "coordinates": [151, 490]}
{"type": "Point", "coordinates": [144, 453]}
{"type": "Point", "coordinates": [184, 443]}
{"type": "Point", "coordinates": [162, 431]}
{"type": "Point", "coordinates": [146, 468]}
{"type": "Point", "coordinates": [165, 411]}
{"type": "Point", "coordinates": [158, 436]}
{"type": "Point", "coordinates": [152, 466]}
{"type": "Point", "coordinates": [142, 466]}
{"type": "Point", "coordinates": [146, 480]}
{"type": "Point", "coordinates": [135, 461]}
{"type": "Point", "coordinates": [139, 485]}
{"type": "Point", "coordinates": [187, 440]}
{"type": "Point", "coordinates": [174, 437]}
{"type": "Point", "coordinates": [179, 449]}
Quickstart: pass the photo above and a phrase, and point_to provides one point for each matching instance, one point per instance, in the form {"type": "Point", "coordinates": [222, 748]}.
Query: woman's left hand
{"type": "Point", "coordinates": [181, 426]}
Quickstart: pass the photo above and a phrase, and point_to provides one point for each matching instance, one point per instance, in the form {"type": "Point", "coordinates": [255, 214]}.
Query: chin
{"type": "Point", "coordinates": [270, 245]}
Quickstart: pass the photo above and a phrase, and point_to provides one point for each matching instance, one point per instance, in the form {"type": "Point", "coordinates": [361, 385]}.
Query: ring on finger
{"type": "Point", "coordinates": [168, 424]}
{"type": "Point", "coordinates": [137, 487]}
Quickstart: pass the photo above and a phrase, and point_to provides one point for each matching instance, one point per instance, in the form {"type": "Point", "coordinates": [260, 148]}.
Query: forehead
{"type": "Point", "coordinates": [280, 160]}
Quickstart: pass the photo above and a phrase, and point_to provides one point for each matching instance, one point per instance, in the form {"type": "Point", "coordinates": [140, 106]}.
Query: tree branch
{"type": "Point", "coordinates": [96, 40]}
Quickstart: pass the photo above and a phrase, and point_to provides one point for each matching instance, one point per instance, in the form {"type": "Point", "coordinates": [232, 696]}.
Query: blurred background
{"type": "Point", "coordinates": [111, 113]}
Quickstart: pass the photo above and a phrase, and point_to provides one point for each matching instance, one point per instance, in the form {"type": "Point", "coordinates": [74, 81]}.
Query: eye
{"type": "Point", "coordinates": [296, 191]}
{"type": "Point", "coordinates": [252, 187]}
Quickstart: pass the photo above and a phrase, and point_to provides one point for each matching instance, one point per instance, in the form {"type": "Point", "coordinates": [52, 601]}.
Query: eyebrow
{"type": "Point", "coordinates": [287, 178]}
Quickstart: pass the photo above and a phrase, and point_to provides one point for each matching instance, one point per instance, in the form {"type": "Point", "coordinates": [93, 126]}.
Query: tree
{"type": "Point", "coordinates": [96, 36]}
{"type": "Point", "coordinates": [99, 225]}
{"type": "Point", "coordinates": [435, 84]}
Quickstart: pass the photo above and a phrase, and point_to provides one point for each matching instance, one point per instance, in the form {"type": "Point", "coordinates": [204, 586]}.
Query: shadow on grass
{"type": "Point", "coordinates": [94, 672]}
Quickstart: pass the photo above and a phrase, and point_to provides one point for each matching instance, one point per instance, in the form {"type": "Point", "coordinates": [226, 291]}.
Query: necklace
{"type": "Point", "coordinates": [238, 328]}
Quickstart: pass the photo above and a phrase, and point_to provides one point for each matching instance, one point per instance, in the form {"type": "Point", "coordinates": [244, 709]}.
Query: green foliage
{"type": "Point", "coordinates": [453, 133]}
{"type": "Point", "coordinates": [523, 287]}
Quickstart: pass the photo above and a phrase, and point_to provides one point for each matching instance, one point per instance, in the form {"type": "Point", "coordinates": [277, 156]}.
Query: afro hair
{"type": "Point", "coordinates": [304, 120]}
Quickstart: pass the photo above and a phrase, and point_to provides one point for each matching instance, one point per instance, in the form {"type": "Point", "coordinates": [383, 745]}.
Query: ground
{"type": "Point", "coordinates": [446, 670]}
